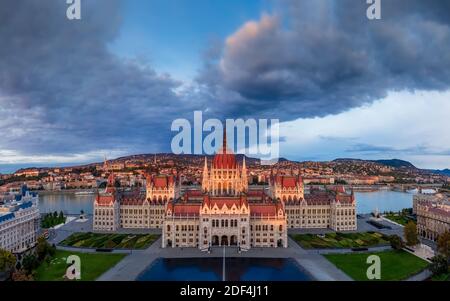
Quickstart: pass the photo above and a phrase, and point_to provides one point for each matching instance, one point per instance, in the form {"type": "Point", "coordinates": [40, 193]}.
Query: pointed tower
{"type": "Point", "coordinates": [105, 164]}
{"type": "Point", "coordinates": [205, 179]}
{"type": "Point", "coordinates": [244, 176]}
{"type": "Point", "coordinates": [110, 186]}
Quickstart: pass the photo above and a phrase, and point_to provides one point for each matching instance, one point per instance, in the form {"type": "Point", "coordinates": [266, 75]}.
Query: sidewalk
{"type": "Point", "coordinates": [422, 276]}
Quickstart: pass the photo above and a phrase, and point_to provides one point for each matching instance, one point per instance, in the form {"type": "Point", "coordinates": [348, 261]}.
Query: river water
{"type": "Point", "coordinates": [383, 200]}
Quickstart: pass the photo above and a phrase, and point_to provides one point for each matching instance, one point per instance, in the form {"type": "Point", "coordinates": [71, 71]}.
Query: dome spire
{"type": "Point", "coordinates": [224, 143]}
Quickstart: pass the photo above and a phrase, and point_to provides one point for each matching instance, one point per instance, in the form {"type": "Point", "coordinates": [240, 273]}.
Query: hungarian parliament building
{"type": "Point", "coordinates": [225, 211]}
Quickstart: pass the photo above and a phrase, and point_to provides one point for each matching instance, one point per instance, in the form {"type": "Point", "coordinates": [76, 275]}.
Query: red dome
{"type": "Point", "coordinates": [225, 159]}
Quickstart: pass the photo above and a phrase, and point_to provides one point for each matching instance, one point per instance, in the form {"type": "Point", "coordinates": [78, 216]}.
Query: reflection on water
{"type": "Point", "coordinates": [69, 203]}
{"type": "Point", "coordinates": [236, 269]}
{"type": "Point", "coordinates": [383, 200]}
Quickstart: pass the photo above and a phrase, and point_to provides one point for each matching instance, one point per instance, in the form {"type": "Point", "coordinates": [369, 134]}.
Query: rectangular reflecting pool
{"type": "Point", "coordinates": [236, 269]}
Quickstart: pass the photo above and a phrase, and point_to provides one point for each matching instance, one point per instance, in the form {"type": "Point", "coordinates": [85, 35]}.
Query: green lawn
{"type": "Point", "coordinates": [110, 241]}
{"type": "Point", "coordinates": [341, 240]}
{"type": "Point", "coordinates": [92, 266]}
{"type": "Point", "coordinates": [398, 218]}
{"type": "Point", "coordinates": [395, 265]}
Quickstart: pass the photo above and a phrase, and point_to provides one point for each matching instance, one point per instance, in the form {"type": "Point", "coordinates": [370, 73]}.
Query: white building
{"type": "Point", "coordinates": [19, 222]}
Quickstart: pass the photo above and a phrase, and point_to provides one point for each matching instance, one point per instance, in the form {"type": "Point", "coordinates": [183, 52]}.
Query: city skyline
{"type": "Point", "coordinates": [113, 82]}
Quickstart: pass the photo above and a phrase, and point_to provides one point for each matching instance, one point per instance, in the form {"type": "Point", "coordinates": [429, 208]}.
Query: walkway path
{"type": "Point", "coordinates": [317, 265]}
{"type": "Point", "coordinates": [344, 251]}
{"type": "Point", "coordinates": [132, 265]}
{"type": "Point", "coordinates": [422, 276]}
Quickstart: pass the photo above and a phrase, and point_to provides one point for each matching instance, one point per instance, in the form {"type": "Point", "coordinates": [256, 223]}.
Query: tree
{"type": "Point", "coordinates": [396, 242]}
{"type": "Point", "coordinates": [410, 232]}
{"type": "Point", "coordinates": [44, 249]}
{"type": "Point", "coordinates": [30, 263]}
{"type": "Point", "coordinates": [443, 244]}
{"type": "Point", "coordinates": [7, 261]}
{"type": "Point", "coordinates": [439, 265]}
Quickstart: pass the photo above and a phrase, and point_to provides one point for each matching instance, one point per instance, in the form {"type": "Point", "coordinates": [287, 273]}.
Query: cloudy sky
{"type": "Point", "coordinates": [112, 83]}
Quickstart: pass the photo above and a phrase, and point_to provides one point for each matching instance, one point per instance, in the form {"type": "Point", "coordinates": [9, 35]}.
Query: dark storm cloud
{"type": "Point", "coordinates": [319, 57]}
{"type": "Point", "coordinates": [62, 91]}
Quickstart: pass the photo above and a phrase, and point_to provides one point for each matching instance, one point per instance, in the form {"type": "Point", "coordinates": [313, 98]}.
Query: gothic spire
{"type": "Point", "coordinates": [224, 143]}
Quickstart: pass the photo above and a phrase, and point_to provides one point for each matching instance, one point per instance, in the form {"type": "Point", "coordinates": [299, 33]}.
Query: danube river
{"type": "Point", "coordinates": [383, 200]}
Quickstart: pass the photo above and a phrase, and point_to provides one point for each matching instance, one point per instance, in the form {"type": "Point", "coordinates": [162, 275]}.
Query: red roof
{"type": "Point", "coordinates": [105, 200]}
{"type": "Point", "coordinates": [183, 209]}
{"type": "Point", "coordinates": [319, 198]}
{"type": "Point", "coordinates": [161, 181]}
{"type": "Point", "coordinates": [288, 181]}
{"type": "Point", "coordinates": [228, 202]}
{"type": "Point", "coordinates": [270, 210]}
{"type": "Point", "coordinates": [224, 161]}
{"type": "Point", "coordinates": [345, 198]}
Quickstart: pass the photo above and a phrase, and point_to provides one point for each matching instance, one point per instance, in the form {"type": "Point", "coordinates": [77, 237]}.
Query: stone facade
{"type": "Point", "coordinates": [333, 209]}
{"type": "Point", "coordinates": [106, 208]}
{"type": "Point", "coordinates": [433, 215]}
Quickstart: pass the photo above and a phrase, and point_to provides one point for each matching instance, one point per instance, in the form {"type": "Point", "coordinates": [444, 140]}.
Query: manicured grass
{"type": "Point", "coordinates": [109, 241]}
{"type": "Point", "coordinates": [92, 266]}
{"type": "Point", "coordinates": [341, 240]}
{"type": "Point", "coordinates": [398, 218]}
{"type": "Point", "coordinates": [395, 265]}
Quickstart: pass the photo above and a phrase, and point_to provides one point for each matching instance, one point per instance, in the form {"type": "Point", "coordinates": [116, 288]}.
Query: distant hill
{"type": "Point", "coordinates": [345, 160]}
{"type": "Point", "coordinates": [397, 163]}
{"type": "Point", "coordinates": [445, 172]}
